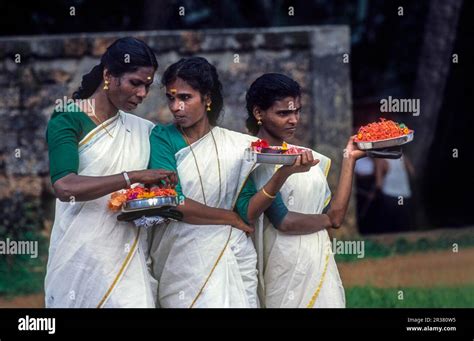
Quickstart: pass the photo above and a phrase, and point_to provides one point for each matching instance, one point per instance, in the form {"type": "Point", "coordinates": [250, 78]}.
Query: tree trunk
{"type": "Point", "coordinates": [433, 70]}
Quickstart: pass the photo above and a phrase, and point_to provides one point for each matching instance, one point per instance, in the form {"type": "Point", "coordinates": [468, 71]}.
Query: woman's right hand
{"type": "Point", "coordinates": [303, 163]}
{"type": "Point", "coordinates": [159, 177]}
{"type": "Point", "coordinates": [238, 223]}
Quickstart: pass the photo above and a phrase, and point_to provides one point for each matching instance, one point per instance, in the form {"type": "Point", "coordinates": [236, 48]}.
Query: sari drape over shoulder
{"type": "Point", "coordinates": [299, 271]}
{"type": "Point", "coordinates": [95, 260]}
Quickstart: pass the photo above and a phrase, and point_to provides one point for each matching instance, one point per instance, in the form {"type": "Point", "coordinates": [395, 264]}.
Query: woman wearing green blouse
{"type": "Point", "coordinates": [94, 260]}
{"type": "Point", "coordinates": [208, 259]}
{"type": "Point", "coordinates": [297, 266]}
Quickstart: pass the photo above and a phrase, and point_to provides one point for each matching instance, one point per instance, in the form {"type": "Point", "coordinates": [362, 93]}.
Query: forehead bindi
{"type": "Point", "coordinates": [179, 87]}
{"type": "Point", "coordinates": [143, 74]}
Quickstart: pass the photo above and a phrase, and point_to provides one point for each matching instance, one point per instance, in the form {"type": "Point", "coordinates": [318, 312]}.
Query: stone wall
{"type": "Point", "coordinates": [36, 71]}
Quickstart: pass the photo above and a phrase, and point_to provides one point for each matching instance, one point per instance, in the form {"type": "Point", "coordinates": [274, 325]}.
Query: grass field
{"type": "Point", "coordinates": [436, 297]}
{"type": "Point", "coordinates": [24, 276]}
{"type": "Point", "coordinates": [426, 270]}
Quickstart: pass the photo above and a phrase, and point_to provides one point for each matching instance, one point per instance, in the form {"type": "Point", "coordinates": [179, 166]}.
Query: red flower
{"type": "Point", "coordinates": [259, 144]}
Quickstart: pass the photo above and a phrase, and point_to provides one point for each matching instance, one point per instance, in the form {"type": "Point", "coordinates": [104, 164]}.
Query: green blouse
{"type": "Point", "coordinates": [64, 131]}
{"type": "Point", "coordinates": [166, 141]}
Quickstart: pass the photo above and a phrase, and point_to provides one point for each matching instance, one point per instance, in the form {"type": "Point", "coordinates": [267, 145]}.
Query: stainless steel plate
{"type": "Point", "coordinates": [276, 159]}
{"type": "Point", "coordinates": [143, 204]}
{"type": "Point", "coordinates": [396, 141]}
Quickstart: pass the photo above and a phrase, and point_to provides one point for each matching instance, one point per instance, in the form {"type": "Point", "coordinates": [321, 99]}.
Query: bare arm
{"type": "Point", "coordinates": [198, 214]}
{"type": "Point", "coordinates": [260, 202]}
{"type": "Point", "coordinates": [298, 223]}
{"type": "Point", "coordinates": [83, 188]}
{"type": "Point", "coordinates": [337, 211]}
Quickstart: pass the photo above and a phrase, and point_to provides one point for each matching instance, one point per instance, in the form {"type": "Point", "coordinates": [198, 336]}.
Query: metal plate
{"type": "Point", "coordinates": [276, 159]}
{"type": "Point", "coordinates": [144, 204]}
{"type": "Point", "coordinates": [396, 141]}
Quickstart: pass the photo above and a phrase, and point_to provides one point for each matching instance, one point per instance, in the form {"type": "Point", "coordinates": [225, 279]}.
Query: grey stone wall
{"type": "Point", "coordinates": [51, 67]}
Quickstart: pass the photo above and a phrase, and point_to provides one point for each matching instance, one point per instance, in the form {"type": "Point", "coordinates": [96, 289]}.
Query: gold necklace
{"type": "Point", "coordinates": [197, 166]}
{"type": "Point", "coordinates": [100, 123]}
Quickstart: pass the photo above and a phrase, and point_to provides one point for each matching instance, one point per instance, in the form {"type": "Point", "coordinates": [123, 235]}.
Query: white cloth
{"type": "Point", "coordinates": [293, 265]}
{"type": "Point", "coordinates": [396, 182]}
{"type": "Point", "coordinates": [183, 255]}
{"type": "Point", "coordinates": [147, 222]}
{"type": "Point", "coordinates": [89, 247]}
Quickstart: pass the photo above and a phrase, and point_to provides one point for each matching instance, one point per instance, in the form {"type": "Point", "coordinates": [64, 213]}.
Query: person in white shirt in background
{"type": "Point", "coordinates": [393, 183]}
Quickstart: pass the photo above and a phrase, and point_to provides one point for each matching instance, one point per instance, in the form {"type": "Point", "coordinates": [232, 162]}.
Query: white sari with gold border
{"type": "Point", "coordinates": [208, 266]}
{"type": "Point", "coordinates": [95, 260]}
{"type": "Point", "coordinates": [299, 271]}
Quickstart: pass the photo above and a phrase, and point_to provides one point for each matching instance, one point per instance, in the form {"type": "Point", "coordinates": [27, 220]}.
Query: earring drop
{"type": "Point", "coordinates": [259, 122]}
{"type": "Point", "coordinates": [106, 85]}
{"type": "Point", "coordinates": [208, 107]}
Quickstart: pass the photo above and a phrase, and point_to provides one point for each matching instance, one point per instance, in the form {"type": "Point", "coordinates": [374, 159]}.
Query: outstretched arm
{"type": "Point", "coordinates": [298, 223]}
{"type": "Point", "coordinates": [199, 214]}
{"type": "Point", "coordinates": [264, 198]}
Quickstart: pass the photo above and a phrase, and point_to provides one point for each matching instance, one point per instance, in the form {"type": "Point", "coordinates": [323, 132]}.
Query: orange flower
{"type": "Point", "coordinates": [116, 201]}
{"type": "Point", "coordinates": [385, 129]}
{"type": "Point", "coordinates": [118, 198]}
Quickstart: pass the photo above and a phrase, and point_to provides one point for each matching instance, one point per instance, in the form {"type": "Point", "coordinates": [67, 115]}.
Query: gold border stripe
{"type": "Point", "coordinates": [226, 243]}
{"type": "Point", "coordinates": [213, 268]}
{"type": "Point", "coordinates": [326, 171]}
{"type": "Point", "coordinates": [122, 269]}
{"type": "Point", "coordinates": [328, 199]}
{"type": "Point", "coordinates": [316, 293]}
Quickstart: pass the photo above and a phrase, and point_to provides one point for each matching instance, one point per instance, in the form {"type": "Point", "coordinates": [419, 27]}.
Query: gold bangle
{"type": "Point", "coordinates": [268, 195]}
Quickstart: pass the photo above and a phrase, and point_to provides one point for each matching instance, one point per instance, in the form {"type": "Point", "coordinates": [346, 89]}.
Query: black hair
{"type": "Point", "coordinates": [202, 76]}
{"type": "Point", "coordinates": [124, 55]}
{"type": "Point", "coordinates": [264, 91]}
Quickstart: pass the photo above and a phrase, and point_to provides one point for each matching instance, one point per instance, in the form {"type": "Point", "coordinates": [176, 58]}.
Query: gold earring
{"type": "Point", "coordinates": [259, 122]}
{"type": "Point", "coordinates": [106, 85]}
{"type": "Point", "coordinates": [208, 107]}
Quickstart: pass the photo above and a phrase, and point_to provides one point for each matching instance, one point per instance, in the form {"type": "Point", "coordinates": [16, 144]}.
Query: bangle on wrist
{"type": "Point", "coordinates": [127, 179]}
{"type": "Point", "coordinates": [268, 195]}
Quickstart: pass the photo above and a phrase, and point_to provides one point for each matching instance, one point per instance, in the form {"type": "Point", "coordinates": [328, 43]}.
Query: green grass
{"type": "Point", "coordinates": [437, 297]}
{"type": "Point", "coordinates": [401, 246]}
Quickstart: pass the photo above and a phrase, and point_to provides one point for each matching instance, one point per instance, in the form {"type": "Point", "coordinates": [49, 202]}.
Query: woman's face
{"type": "Point", "coordinates": [281, 119]}
{"type": "Point", "coordinates": [186, 103]}
{"type": "Point", "coordinates": [129, 90]}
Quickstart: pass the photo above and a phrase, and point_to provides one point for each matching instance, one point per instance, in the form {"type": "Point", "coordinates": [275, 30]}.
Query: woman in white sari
{"type": "Point", "coordinates": [94, 260]}
{"type": "Point", "coordinates": [207, 260]}
{"type": "Point", "coordinates": [295, 258]}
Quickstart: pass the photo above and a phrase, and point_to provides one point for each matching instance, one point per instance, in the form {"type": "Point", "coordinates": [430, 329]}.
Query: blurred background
{"type": "Point", "coordinates": [347, 56]}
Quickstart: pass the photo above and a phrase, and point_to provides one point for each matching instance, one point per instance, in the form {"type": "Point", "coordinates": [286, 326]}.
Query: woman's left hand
{"type": "Point", "coordinates": [352, 150]}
